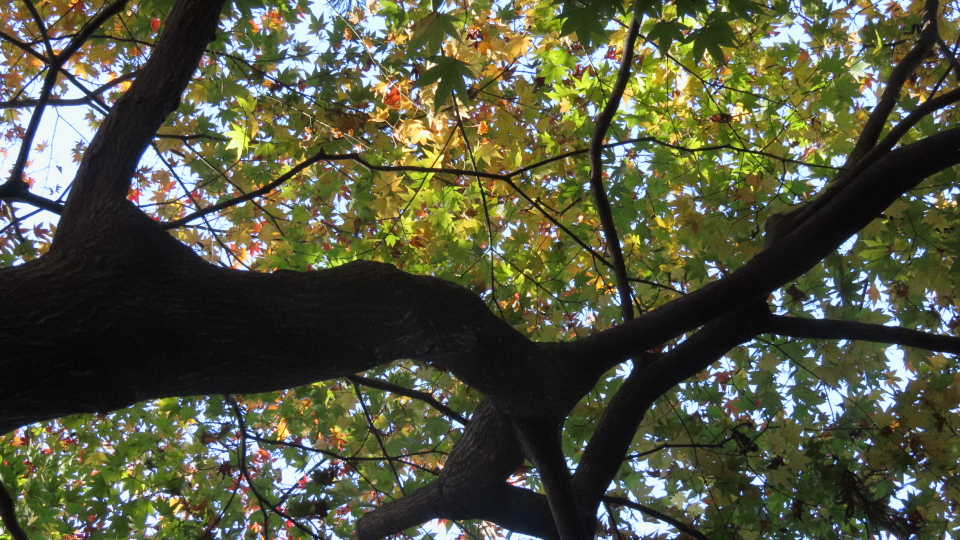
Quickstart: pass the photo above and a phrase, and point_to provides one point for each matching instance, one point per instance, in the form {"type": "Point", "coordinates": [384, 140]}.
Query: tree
{"type": "Point", "coordinates": [667, 242]}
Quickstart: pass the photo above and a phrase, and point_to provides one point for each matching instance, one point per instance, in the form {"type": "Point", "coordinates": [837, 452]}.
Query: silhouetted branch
{"type": "Point", "coordinates": [596, 172]}
{"type": "Point", "coordinates": [245, 472]}
{"type": "Point", "coordinates": [8, 515]}
{"type": "Point", "coordinates": [319, 156]}
{"type": "Point", "coordinates": [413, 394]}
{"type": "Point", "coordinates": [656, 514]}
{"type": "Point", "coordinates": [851, 330]}
{"type": "Point", "coordinates": [54, 64]}
{"type": "Point", "coordinates": [19, 192]}
{"type": "Point", "coordinates": [62, 102]}
{"type": "Point", "coordinates": [891, 93]}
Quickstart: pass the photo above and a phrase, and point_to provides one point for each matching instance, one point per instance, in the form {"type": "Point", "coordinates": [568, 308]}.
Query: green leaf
{"type": "Point", "coordinates": [716, 33]}
{"type": "Point", "coordinates": [431, 32]}
{"type": "Point", "coordinates": [664, 33]}
{"type": "Point", "coordinates": [588, 20]}
{"type": "Point", "coordinates": [450, 74]}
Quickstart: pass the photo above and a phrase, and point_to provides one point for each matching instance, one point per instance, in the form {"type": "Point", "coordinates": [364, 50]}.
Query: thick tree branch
{"type": "Point", "coordinates": [913, 118]}
{"type": "Point", "coordinates": [20, 192]}
{"type": "Point", "coordinates": [543, 444]}
{"type": "Point", "coordinates": [653, 376]}
{"type": "Point", "coordinates": [596, 171]}
{"type": "Point", "coordinates": [790, 256]}
{"type": "Point", "coordinates": [472, 485]}
{"type": "Point", "coordinates": [851, 330]}
{"type": "Point", "coordinates": [108, 164]}
{"type": "Point", "coordinates": [335, 323]}
{"type": "Point", "coordinates": [8, 515]}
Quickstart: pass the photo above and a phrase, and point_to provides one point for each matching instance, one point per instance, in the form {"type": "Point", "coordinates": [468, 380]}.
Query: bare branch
{"type": "Point", "coordinates": [19, 192]}
{"type": "Point", "coordinates": [16, 181]}
{"type": "Point", "coordinates": [59, 102]}
{"type": "Point", "coordinates": [16, 174]}
{"type": "Point", "coordinates": [652, 376]}
{"type": "Point", "coordinates": [413, 394]}
{"type": "Point", "coordinates": [282, 179]}
{"type": "Point", "coordinates": [25, 47]}
{"type": "Point", "coordinates": [596, 171]}
{"type": "Point", "coordinates": [245, 472]}
{"type": "Point", "coordinates": [41, 27]}
{"type": "Point", "coordinates": [656, 514]}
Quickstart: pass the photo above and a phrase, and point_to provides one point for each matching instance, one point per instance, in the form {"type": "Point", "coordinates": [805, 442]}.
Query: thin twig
{"type": "Point", "coordinates": [413, 394]}
{"type": "Point", "coordinates": [59, 102]}
{"type": "Point", "coordinates": [283, 178]}
{"type": "Point", "coordinates": [261, 499]}
{"type": "Point", "coordinates": [677, 524]}
{"type": "Point", "coordinates": [376, 436]}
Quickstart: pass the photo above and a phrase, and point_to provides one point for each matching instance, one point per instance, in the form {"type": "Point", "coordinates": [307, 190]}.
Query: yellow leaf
{"type": "Point", "coordinates": [282, 431]}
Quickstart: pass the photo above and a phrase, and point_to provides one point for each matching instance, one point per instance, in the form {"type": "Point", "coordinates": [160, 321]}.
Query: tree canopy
{"type": "Point", "coordinates": [562, 268]}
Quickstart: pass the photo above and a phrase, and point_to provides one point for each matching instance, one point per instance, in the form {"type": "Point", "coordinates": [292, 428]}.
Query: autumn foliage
{"type": "Point", "coordinates": [563, 268]}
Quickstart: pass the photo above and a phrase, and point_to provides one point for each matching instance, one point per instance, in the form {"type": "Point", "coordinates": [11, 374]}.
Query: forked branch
{"type": "Point", "coordinates": [929, 36]}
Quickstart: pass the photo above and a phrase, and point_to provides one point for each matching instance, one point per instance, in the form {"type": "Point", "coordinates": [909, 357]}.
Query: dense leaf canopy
{"type": "Point", "coordinates": [724, 232]}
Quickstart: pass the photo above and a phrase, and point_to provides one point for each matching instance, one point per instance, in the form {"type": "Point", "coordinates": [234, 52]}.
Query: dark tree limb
{"type": "Point", "coordinates": [26, 143]}
{"type": "Point", "coordinates": [852, 330]}
{"type": "Point", "coordinates": [867, 151]}
{"type": "Point", "coordinates": [108, 165]}
{"type": "Point", "coordinates": [790, 256]}
{"type": "Point", "coordinates": [929, 36]}
{"type": "Point", "coordinates": [364, 314]}
{"type": "Point", "coordinates": [596, 171]}
{"type": "Point", "coordinates": [652, 376]}
{"type": "Point", "coordinates": [543, 444]}
{"type": "Point", "coordinates": [20, 192]}
{"type": "Point", "coordinates": [472, 485]}
{"type": "Point", "coordinates": [54, 65]}
{"type": "Point", "coordinates": [41, 27]}
{"type": "Point", "coordinates": [8, 515]}
{"type": "Point", "coordinates": [25, 47]}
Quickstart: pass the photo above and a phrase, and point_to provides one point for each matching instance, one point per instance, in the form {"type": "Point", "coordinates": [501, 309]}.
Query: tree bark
{"type": "Point", "coordinates": [119, 312]}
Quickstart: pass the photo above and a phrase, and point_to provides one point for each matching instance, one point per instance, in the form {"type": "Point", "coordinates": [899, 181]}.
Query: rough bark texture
{"type": "Point", "coordinates": [119, 312]}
